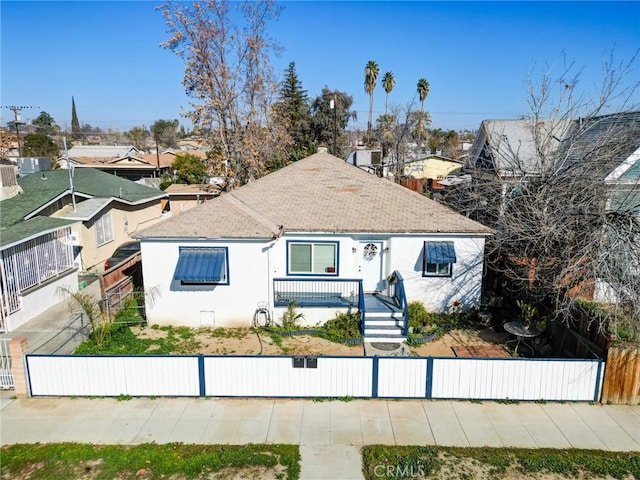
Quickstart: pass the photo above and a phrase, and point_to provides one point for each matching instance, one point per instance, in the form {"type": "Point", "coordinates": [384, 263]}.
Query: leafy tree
{"type": "Point", "coordinates": [323, 121]}
{"type": "Point", "coordinates": [75, 123]}
{"type": "Point", "coordinates": [388, 82]}
{"type": "Point", "coordinates": [165, 133]}
{"type": "Point", "coordinates": [44, 123]}
{"type": "Point", "coordinates": [189, 169]}
{"type": "Point", "coordinates": [138, 137]}
{"type": "Point", "coordinates": [371, 71]}
{"type": "Point", "coordinates": [229, 76]}
{"type": "Point", "coordinates": [423, 91]}
{"type": "Point", "coordinates": [292, 111]}
{"type": "Point", "coordinates": [40, 145]}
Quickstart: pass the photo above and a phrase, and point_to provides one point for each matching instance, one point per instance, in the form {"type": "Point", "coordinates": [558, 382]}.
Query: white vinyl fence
{"type": "Point", "coordinates": [277, 377]}
{"type": "Point", "coordinates": [297, 376]}
{"type": "Point", "coordinates": [63, 375]}
{"type": "Point", "coordinates": [6, 375]}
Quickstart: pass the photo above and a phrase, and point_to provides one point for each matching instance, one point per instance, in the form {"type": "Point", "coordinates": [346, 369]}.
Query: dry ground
{"type": "Point", "coordinates": [245, 341]}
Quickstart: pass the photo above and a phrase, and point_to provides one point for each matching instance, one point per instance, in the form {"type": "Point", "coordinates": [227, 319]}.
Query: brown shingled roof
{"type": "Point", "coordinates": [320, 193]}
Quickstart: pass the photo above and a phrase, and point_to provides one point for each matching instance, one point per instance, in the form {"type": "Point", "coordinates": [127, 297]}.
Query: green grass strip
{"type": "Point", "coordinates": [389, 462]}
{"type": "Point", "coordinates": [153, 461]}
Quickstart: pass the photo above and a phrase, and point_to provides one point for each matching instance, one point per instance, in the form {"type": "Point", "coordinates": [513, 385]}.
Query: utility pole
{"type": "Point", "coordinates": [16, 122]}
{"type": "Point", "coordinates": [333, 105]}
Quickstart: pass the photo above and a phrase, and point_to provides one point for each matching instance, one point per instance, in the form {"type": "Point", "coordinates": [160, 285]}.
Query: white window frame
{"type": "Point", "coordinates": [104, 228]}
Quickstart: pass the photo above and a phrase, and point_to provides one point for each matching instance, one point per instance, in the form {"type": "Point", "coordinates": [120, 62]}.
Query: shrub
{"type": "Point", "coordinates": [418, 315]}
{"type": "Point", "coordinates": [344, 326]}
{"type": "Point", "coordinates": [291, 317]}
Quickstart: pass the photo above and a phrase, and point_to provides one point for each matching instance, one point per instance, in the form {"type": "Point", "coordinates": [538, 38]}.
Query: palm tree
{"type": "Point", "coordinates": [423, 91]}
{"type": "Point", "coordinates": [371, 71]}
{"type": "Point", "coordinates": [388, 82]}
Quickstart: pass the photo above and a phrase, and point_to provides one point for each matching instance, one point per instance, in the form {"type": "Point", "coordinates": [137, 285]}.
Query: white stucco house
{"type": "Point", "coordinates": [321, 232]}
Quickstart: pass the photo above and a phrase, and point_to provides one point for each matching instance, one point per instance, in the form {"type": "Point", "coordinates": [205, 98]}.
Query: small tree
{"type": "Point", "coordinates": [40, 145]}
{"type": "Point", "coordinates": [189, 169]}
{"type": "Point", "coordinates": [323, 122]}
{"type": "Point", "coordinates": [75, 123]}
{"type": "Point", "coordinates": [45, 123]}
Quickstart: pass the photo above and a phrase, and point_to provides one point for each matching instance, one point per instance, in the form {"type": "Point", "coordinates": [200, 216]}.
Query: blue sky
{"type": "Point", "coordinates": [475, 55]}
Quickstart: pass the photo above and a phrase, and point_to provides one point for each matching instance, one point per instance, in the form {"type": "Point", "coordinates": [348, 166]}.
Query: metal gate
{"type": "Point", "coordinates": [6, 376]}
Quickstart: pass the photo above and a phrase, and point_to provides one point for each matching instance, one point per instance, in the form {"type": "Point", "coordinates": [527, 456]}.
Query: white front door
{"type": "Point", "coordinates": [370, 265]}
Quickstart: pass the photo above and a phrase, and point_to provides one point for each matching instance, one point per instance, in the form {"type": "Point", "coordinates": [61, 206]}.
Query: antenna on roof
{"type": "Point", "coordinates": [66, 156]}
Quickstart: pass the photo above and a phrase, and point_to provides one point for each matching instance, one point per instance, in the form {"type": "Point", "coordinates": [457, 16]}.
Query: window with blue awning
{"type": "Point", "coordinates": [202, 266]}
{"type": "Point", "coordinates": [438, 258]}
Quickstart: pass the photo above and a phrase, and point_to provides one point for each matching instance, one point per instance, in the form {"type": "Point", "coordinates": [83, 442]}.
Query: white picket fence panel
{"type": "Point", "coordinates": [275, 376]}
{"type": "Point", "coordinates": [113, 376]}
{"type": "Point", "coordinates": [515, 379]}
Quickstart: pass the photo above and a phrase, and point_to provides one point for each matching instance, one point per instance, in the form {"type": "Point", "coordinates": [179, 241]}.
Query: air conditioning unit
{"type": "Point", "coordinates": [376, 157]}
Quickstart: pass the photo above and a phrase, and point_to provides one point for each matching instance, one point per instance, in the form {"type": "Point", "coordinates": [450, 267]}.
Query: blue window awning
{"type": "Point", "coordinates": [439, 252]}
{"type": "Point", "coordinates": [201, 265]}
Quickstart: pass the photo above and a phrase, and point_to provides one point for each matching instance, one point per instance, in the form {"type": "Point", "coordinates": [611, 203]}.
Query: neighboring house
{"type": "Point", "coordinates": [36, 260]}
{"type": "Point", "coordinates": [102, 152]}
{"type": "Point", "coordinates": [608, 146]}
{"type": "Point", "coordinates": [108, 209]}
{"type": "Point", "coordinates": [434, 167]}
{"type": "Point", "coordinates": [508, 148]}
{"type": "Point", "coordinates": [318, 231]}
{"type": "Point", "coordinates": [134, 165]}
{"type": "Point", "coordinates": [183, 197]}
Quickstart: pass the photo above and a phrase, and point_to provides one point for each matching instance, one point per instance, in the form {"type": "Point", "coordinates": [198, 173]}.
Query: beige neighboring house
{"type": "Point", "coordinates": [434, 167]}
{"type": "Point", "coordinates": [108, 209]}
{"type": "Point", "coordinates": [183, 197]}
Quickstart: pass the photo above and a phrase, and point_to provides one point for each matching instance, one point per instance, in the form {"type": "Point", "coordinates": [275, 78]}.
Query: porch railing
{"type": "Point", "coordinates": [318, 292]}
{"type": "Point", "coordinates": [400, 298]}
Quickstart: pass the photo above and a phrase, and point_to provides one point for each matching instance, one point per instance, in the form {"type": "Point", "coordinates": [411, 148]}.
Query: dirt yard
{"type": "Point", "coordinates": [245, 341]}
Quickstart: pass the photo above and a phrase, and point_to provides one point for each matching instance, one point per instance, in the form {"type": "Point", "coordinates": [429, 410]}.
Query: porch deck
{"type": "Point", "coordinates": [376, 303]}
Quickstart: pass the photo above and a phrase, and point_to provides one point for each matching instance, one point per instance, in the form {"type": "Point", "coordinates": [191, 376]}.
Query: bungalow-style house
{"type": "Point", "coordinates": [36, 260]}
{"type": "Point", "coordinates": [321, 232]}
{"type": "Point", "coordinates": [102, 210]}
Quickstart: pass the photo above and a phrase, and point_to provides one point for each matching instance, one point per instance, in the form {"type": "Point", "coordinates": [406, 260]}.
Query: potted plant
{"type": "Point", "coordinates": [527, 313]}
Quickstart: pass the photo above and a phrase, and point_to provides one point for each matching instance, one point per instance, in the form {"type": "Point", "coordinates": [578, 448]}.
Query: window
{"type": "Point", "coordinates": [202, 266]}
{"type": "Point", "coordinates": [104, 229]}
{"type": "Point", "coordinates": [438, 259]}
{"type": "Point", "coordinates": [307, 258]}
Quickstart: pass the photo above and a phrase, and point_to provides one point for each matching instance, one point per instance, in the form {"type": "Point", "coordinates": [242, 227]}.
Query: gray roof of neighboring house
{"type": "Point", "coordinates": [608, 140]}
{"type": "Point", "coordinates": [320, 193]}
{"type": "Point", "coordinates": [511, 144]}
{"type": "Point", "coordinates": [101, 151]}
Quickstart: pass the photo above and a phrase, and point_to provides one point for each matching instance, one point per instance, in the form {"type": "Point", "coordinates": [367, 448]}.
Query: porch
{"type": "Point", "coordinates": [384, 317]}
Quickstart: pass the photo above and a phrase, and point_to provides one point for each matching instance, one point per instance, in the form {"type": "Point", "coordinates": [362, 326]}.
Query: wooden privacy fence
{"type": "Point", "coordinates": [297, 376]}
{"type": "Point", "coordinates": [622, 377]}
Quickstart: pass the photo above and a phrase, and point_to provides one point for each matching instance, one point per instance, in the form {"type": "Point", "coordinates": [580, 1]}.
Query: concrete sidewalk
{"type": "Point", "coordinates": [329, 433]}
